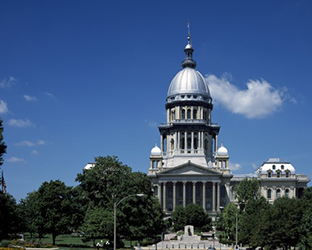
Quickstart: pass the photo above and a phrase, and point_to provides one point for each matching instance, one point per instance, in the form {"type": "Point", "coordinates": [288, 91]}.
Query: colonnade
{"type": "Point", "coordinates": [205, 193]}
{"type": "Point", "coordinates": [188, 142]}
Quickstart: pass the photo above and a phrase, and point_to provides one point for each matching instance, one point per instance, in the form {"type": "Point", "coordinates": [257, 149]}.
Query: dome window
{"type": "Point", "coordinates": [269, 174]}
{"type": "Point", "coordinates": [189, 96]}
{"type": "Point", "coordinates": [282, 167]}
{"type": "Point", "coordinates": [188, 114]}
{"type": "Point", "coordinates": [287, 173]}
{"type": "Point", "coordinates": [195, 96]}
{"type": "Point", "coordinates": [195, 114]}
{"type": "Point", "coordinates": [182, 96]}
{"type": "Point", "coordinates": [273, 167]}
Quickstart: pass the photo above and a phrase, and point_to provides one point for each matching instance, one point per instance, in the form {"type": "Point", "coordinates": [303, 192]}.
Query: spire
{"type": "Point", "coordinates": [188, 61]}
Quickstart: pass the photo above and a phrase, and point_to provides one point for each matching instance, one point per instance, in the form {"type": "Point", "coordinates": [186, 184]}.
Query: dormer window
{"type": "Point", "coordinates": [269, 174]}
{"type": "Point", "coordinates": [287, 174]}
{"type": "Point", "coordinates": [278, 174]}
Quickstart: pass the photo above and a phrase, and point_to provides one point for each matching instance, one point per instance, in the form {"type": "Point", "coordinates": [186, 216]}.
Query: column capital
{"type": "Point", "coordinates": [174, 183]}
{"type": "Point", "coordinates": [204, 182]}
{"type": "Point", "coordinates": [184, 183]}
{"type": "Point", "coordinates": [194, 182]}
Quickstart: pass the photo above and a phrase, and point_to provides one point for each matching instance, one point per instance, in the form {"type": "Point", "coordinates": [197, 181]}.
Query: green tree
{"type": "Point", "coordinates": [228, 220]}
{"type": "Point", "coordinates": [52, 209]}
{"type": "Point", "coordinates": [192, 214]}
{"type": "Point", "coordinates": [305, 241]}
{"type": "Point", "coordinates": [247, 190]}
{"type": "Point", "coordinates": [179, 218]}
{"type": "Point", "coordinates": [3, 147]}
{"type": "Point", "coordinates": [98, 224]}
{"type": "Point", "coordinates": [9, 219]}
{"type": "Point", "coordinates": [250, 222]}
{"type": "Point", "coordinates": [106, 182]}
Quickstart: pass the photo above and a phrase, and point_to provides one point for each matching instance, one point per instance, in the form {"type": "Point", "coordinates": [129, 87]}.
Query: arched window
{"type": "Point", "coordinates": [269, 194]}
{"type": "Point", "coordinates": [194, 113]}
{"type": "Point", "coordinates": [282, 167]}
{"type": "Point", "coordinates": [287, 174]}
{"type": "Point", "coordinates": [269, 174]}
{"type": "Point", "coordinates": [278, 174]}
{"type": "Point", "coordinates": [188, 114]}
{"type": "Point", "coordinates": [278, 193]}
{"type": "Point", "coordinates": [287, 193]}
{"type": "Point", "coordinates": [183, 114]}
{"type": "Point", "coordinates": [273, 166]}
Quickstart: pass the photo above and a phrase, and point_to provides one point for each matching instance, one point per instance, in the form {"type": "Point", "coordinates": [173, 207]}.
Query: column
{"type": "Point", "coordinates": [179, 138]}
{"type": "Point", "coordinates": [162, 143]}
{"type": "Point", "coordinates": [184, 193]}
{"type": "Point", "coordinates": [216, 143]}
{"type": "Point", "coordinates": [175, 141]}
{"type": "Point", "coordinates": [218, 196]}
{"type": "Point", "coordinates": [213, 197]}
{"type": "Point", "coordinates": [168, 144]}
{"type": "Point", "coordinates": [164, 196]}
{"type": "Point", "coordinates": [194, 192]}
{"type": "Point", "coordinates": [174, 183]}
{"type": "Point", "coordinates": [202, 139]}
{"type": "Point", "coordinates": [227, 188]}
{"type": "Point", "coordinates": [192, 142]}
{"type": "Point", "coordinates": [204, 195]}
{"type": "Point", "coordinates": [159, 192]}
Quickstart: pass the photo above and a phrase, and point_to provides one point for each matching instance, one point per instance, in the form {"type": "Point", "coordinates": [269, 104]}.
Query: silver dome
{"type": "Point", "coordinates": [190, 82]}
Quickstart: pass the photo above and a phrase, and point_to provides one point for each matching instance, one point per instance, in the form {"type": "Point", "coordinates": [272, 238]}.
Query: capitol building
{"type": "Point", "coordinates": [188, 166]}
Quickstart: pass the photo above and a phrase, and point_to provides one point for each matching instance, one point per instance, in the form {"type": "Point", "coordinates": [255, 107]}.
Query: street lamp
{"type": "Point", "coordinates": [115, 206]}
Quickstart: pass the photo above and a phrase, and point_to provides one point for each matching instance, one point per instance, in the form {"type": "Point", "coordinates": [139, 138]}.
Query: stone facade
{"type": "Point", "coordinates": [188, 167]}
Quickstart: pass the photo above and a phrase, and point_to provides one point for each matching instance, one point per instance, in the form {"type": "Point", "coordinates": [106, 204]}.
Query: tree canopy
{"type": "Point", "coordinates": [192, 214]}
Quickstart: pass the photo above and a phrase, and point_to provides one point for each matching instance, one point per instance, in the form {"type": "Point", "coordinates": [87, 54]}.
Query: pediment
{"type": "Point", "coordinates": [190, 169]}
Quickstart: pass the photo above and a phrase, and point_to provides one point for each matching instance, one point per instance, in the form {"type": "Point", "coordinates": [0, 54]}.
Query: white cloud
{"type": "Point", "coordinates": [3, 107]}
{"type": "Point", "coordinates": [34, 152]}
{"type": "Point", "coordinates": [15, 159]}
{"type": "Point", "coordinates": [30, 144]}
{"type": "Point", "coordinates": [7, 83]}
{"type": "Point", "coordinates": [234, 166]}
{"type": "Point", "coordinates": [259, 100]}
{"type": "Point", "coordinates": [20, 123]}
{"type": "Point", "coordinates": [49, 94]}
{"type": "Point", "coordinates": [30, 98]}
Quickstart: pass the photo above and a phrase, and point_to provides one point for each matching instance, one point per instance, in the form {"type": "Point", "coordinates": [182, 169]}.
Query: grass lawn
{"type": "Point", "coordinates": [65, 241]}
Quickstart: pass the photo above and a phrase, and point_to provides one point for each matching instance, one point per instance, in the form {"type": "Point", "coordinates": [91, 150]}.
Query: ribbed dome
{"type": "Point", "coordinates": [188, 81]}
{"type": "Point", "coordinates": [222, 151]}
{"type": "Point", "coordinates": [156, 151]}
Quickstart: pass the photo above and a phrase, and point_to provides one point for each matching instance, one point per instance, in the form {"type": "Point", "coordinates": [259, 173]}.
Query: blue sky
{"type": "Point", "coordinates": [80, 79]}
